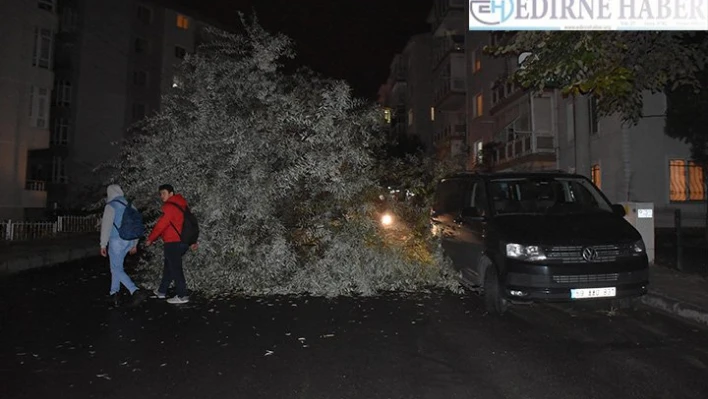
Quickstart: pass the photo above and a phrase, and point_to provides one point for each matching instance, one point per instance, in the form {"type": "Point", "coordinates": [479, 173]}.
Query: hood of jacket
{"type": "Point", "coordinates": [178, 199]}
{"type": "Point", "coordinates": [113, 191]}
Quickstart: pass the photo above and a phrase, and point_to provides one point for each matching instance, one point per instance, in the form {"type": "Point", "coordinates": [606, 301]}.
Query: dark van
{"type": "Point", "coordinates": [538, 237]}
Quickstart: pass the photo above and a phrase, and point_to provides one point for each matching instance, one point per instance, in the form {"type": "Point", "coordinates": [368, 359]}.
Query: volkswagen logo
{"type": "Point", "coordinates": [589, 254]}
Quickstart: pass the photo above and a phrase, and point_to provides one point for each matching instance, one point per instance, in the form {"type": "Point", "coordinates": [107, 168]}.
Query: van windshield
{"type": "Point", "coordinates": [545, 195]}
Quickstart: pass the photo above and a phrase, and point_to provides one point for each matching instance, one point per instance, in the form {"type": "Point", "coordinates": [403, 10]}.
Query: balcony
{"type": "Point", "coordinates": [37, 139]}
{"type": "Point", "coordinates": [454, 131]}
{"type": "Point", "coordinates": [450, 93]}
{"type": "Point", "coordinates": [35, 185]}
{"type": "Point", "coordinates": [532, 150]}
{"type": "Point", "coordinates": [445, 45]}
{"type": "Point", "coordinates": [449, 16]}
{"type": "Point", "coordinates": [34, 195]}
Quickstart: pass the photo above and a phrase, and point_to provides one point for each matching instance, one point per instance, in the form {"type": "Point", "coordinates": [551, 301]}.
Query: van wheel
{"type": "Point", "coordinates": [493, 297]}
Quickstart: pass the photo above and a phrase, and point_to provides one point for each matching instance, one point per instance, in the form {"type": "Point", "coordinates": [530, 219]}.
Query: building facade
{"type": "Point", "coordinates": [407, 94]}
{"type": "Point", "coordinates": [114, 61]}
{"type": "Point", "coordinates": [633, 163]}
{"type": "Point", "coordinates": [448, 20]}
{"type": "Point", "coordinates": [510, 129]}
{"type": "Point", "coordinates": [26, 81]}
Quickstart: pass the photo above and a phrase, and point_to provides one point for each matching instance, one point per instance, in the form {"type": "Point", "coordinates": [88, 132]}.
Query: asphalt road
{"type": "Point", "coordinates": [59, 339]}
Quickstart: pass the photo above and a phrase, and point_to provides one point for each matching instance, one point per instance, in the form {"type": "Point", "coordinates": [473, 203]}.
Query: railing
{"type": "Point", "coordinates": [35, 185]}
{"type": "Point", "coordinates": [528, 143]}
{"type": "Point", "coordinates": [459, 130]}
{"type": "Point", "coordinates": [447, 44]}
{"type": "Point", "coordinates": [442, 7]}
{"type": "Point", "coordinates": [23, 231]}
{"type": "Point", "coordinates": [448, 85]}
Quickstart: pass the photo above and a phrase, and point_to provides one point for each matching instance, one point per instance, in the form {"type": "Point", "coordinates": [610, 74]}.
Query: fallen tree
{"type": "Point", "coordinates": [279, 168]}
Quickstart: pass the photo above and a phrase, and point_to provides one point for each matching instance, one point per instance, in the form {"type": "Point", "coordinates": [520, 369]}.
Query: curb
{"type": "Point", "coordinates": [45, 259]}
{"type": "Point", "coordinates": [676, 308]}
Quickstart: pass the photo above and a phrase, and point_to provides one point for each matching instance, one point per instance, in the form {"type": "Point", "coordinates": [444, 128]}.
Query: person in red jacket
{"type": "Point", "coordinates": [169, 228]}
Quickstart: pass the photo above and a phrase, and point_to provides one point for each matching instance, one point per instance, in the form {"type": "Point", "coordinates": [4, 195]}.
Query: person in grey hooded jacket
{"type": "Point", "coordinates": [116, 248]}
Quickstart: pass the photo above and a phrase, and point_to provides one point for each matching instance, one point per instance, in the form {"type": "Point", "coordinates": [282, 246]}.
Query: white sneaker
{"type": "Point", "coordinates": [159, 294]}
{"type": "Point", "coordinates": [177, 299]}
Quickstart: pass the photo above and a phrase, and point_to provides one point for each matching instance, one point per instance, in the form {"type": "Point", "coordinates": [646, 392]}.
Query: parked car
{"type": "Point", "coordinates": [538, 237]}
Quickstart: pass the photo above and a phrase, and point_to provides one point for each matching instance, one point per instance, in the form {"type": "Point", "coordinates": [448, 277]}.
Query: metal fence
{"type": "Point", "coordinates": [23, 231]}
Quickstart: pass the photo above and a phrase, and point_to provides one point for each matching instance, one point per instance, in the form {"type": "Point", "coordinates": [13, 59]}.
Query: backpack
{"type": "Point", "coordinates": [131, 225]}
{"type": "Point", "coordinates": [190, 226]}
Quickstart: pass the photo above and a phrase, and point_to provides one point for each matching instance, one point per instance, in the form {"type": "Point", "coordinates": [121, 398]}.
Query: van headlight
{"type": "Point", "coordinates": [639, 247]}
{"type": "Point", "coordinates": [525, 252]}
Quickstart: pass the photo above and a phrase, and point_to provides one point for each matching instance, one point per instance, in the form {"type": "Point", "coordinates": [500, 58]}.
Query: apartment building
{"type": "Point", "coordinates": [114, 61]}
{"type": "Point", "coordinates": [448, 20]}
{"type": "Point", "coordinates": [26, 81]}
{"type": "Point", "coordinates": [633, 163]}
{"type": "Point", "coordinates": [513, 130]}
{"type": "Point", "coordinates": [407, 94]}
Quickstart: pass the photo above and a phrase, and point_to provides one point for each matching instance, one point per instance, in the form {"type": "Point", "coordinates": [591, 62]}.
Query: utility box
{"type": "Point", "coordinates": [641, 216]}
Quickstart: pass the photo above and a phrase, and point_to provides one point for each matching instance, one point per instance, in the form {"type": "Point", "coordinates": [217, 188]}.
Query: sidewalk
{"type": "Point", "coordinates": [19, 256]}
{"type": "Point", "coordinates": [680, 294]}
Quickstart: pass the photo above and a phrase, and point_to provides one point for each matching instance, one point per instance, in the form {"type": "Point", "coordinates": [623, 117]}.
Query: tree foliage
{"type": "Point", "coordinates": [279, 169]}
{"type": "Point", "coordinates": [686, 114]}
{"type": "Point", "coordinates": [616, 67]}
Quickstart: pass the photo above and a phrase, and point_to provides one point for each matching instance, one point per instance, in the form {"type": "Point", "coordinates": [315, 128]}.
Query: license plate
{"type": "Point", "coordinates": [582, 293]}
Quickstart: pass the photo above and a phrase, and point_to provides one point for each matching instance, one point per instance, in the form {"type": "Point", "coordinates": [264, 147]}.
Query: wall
{"type": "Point", "coordinates": [17, 76]}
{"type": "Point", "coordinates": [634, 162]}
{"type": "Point", "coordinates": [105, 48]}
{"type": "Point", "coordinates": [420, 88]}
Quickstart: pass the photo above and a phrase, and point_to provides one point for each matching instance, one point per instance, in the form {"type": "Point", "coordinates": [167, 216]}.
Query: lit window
{"type": "Point", "coordinates": [432, 113]}
{"type": "Point", "coordinates": [478, 153]}
{"type": "Point", "coordinates": [686, 181]}
{"type": "Point", "coordinates": [182, 22]}
{"type": "Point", "coordinates": [596, 176]}
{"type": "Point", "coordinates": [387, 115]}
{"type": "Point", "coordinates": [479, 105]}
{"type": "Point", "coordinates": [477, 60]}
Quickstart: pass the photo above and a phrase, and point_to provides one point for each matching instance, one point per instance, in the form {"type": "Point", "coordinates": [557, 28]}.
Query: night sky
{"type": "Point", "coordinates": [353, 40]}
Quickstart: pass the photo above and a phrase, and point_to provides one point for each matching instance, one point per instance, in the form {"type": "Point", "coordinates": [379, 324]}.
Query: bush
{"type": "Point", "coordinates": [277, 167]}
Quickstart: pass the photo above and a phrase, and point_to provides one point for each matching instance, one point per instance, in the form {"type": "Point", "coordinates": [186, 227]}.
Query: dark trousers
{"type": "Point", "coordinates": [173, 268]}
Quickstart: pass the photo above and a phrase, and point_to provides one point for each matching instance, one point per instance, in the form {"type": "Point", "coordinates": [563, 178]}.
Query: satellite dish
{"type": "Point", "coordinates": [524, 56]}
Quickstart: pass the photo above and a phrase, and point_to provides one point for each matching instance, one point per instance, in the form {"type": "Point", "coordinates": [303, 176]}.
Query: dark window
{"type": "Point", "coordinates": [141, 46]}
{"type": "Point", "coordinates": [450, 196]}
{"type": "Point", "coordinates": [180, 52]}
{"type": "Point", "coordinates": [138, 111]}
{"type": "Point", "coordinates": [144, 14]}
{"type": "Point", "coordinates": [140, 78]}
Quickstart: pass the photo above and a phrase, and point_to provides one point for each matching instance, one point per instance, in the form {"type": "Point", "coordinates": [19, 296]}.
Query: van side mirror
{"type": "Point", "coordinates": [619, 210]}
